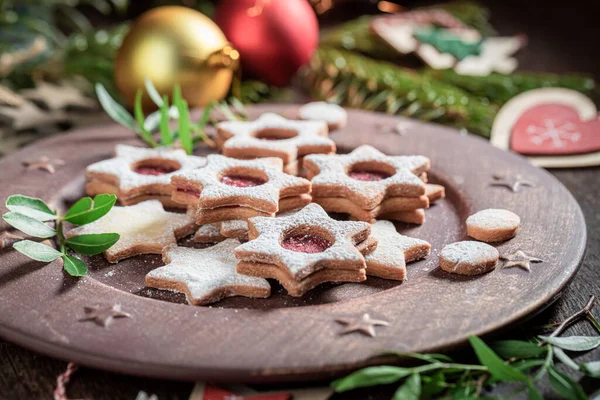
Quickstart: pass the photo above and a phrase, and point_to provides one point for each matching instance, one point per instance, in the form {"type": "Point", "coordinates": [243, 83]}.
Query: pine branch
{"type": "Point", "coordinates": [357, 81]}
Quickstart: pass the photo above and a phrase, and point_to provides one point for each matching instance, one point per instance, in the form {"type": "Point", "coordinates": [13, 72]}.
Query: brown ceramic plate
{"type": "Point", "coordinates": [285, 338]}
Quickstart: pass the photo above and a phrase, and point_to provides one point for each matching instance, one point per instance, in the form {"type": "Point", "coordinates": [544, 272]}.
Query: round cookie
{"type": "Point", "coordinates": [493, 225]}
{"type": "Point", "coordinates": [468, 258]}
{"type": "Point", "coordinates": [335, 116]}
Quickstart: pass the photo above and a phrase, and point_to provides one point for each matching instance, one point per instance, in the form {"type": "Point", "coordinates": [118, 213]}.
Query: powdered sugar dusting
{"type": "Point", "coordinates": [468, 253]}
{"type": "Point", "coordinates": [207, 232]}
{"type": "Point", "coordinates": [205, 271]}
{"type": "Point", "coordinates": [267, 246]}
{"type": "Point", "coordinates": [392, 246]}
{"type": "Point", "coordinates": [494, 218]}
{"type": "Point", "coordinates": [145, 223]}
{"type": "Point", "coordinates": [333, 114]}
{"type": "Point", "coordinates": [122, 166]}
{"type": "Point", "coordinates": [236, 225]}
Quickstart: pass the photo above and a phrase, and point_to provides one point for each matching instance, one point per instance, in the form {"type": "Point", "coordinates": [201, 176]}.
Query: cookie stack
{"type": "Point", "coordinates": [271, 135]}
{"type": "Point", "coordinates": [305, 249]}
{"type": "Point", "coordinates": [368, 185]}
{"type": "Point", "coordinates": [231, 189]}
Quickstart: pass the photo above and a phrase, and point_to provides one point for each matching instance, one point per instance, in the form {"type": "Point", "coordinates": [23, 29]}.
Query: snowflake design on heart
{"type": "Point", "coordinates": [559, 134]}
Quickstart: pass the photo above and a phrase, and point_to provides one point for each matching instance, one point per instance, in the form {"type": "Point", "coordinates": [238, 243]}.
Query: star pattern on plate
{"type": "Point", "coordinates": [266, 235]}
{"type": "Point", "coordinates": [145, 228]}
{"type": "Point", "coordinates": [393, 251]}
{"type": "Point", "coordinates": [519, 259]}
{"type": "Point", "coordinates": [206, 275]}
{"type": "Point", "coordinates": [122, 166]}
{"type": "Point", "coordinates": [265, 196]}
{"type": "Point", "coordinates": [361, 323]}
{"type": "Point", "coordinates": [329, 175]}
{"type": "Point", "coordinates": [245, 136]}
{"type": "Point", "coordinates": [44, 164]}
{"type": "Point", "coordinates": [512, 182]}
{"type": "Point", "coordinates": [104, 316]}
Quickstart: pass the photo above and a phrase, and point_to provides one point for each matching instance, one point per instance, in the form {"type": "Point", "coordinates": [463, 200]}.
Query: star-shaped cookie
{"type": "Point", "coordinates": [206, 275]}
{"type": "Point", "coordinates": [145, 228]}
{"type": "Point", "coordinates": [366, 176]}
{"type": "Point", "coordinates": [274, 136]}
{"type": "Point", "coordinates": [137, 174]}
{"type": "Point", "coordinates": [280, 241]}
{"type": "Point", "coordinates": [254, 184]}
{"type": "Point", "coordinates": [393, 251]}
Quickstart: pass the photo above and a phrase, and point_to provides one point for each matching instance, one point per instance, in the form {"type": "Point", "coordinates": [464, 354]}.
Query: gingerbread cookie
{"type": "Point", "coordinates": [145, 228]}
{"type": "Point", "coordinates": [137, 174]}
{"type": "Point", "coordinates": [434, 192]}
{"type": "Point", "coordinates": [468, 258]}
{"type": "Point", "coordinates": [366, 176]}
{"type": "Point", "coordinates": [493, 225]}
{"type": "Point", "coordinates": [205, 275]}
{"type": "Point", "coordinates": [335, 115]}
{"type": "Point", "coordinates": [387, 207]}
{"type": "Point", "coordinates": [302, 244]}
{"type": "Point", "coordinates": [274, 136]}
{"type": "Point", "coordinates": [416, 217]}
{"type": "Point", "coordinates": [209, 233]}
{"type": "Point", "coordinates": [393, 251]}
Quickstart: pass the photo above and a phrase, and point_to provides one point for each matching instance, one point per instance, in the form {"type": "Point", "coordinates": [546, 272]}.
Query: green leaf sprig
{"type": "Point", "coordinates": [187, 134]}
{"type": "Point", "coordinates": [30, 215]}
{"type": "Point", "coordinates": [523, 363]}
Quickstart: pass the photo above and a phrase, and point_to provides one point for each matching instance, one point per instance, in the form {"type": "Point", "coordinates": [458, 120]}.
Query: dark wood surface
{"type": "Point", "coordinates": [533, 290]}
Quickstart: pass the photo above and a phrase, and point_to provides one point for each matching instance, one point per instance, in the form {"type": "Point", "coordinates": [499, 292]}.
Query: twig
{"type": "Point", "coordinates": [584, 312]}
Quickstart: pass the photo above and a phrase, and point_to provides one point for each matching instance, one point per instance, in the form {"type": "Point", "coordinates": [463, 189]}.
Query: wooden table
{"type": "Point", "coordinates": [28, 376]}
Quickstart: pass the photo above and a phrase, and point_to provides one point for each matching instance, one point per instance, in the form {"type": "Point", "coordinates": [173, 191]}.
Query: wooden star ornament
{"type": "Point", "coordinates": [57, 97]}
{"type": "Point", "coordinates": [44, 164]}
{"type": "Point", "coordinates": [363, 324]}
{"type": "Point", "coordinates": [513, 182]}
{"type": "Point", "coordinates": [104, 316]}
{"type": "Point", "coordinates": [519, 259]}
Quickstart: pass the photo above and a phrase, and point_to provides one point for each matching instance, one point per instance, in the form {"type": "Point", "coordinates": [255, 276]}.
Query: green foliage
{"type": "Point", "coordinates": [28, 214]}
{"type": "Point", "coordinates": [446, 41]}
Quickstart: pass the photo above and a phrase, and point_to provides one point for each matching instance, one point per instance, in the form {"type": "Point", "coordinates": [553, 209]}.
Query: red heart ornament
{"type": "Point", "coordinates": [554, 129]}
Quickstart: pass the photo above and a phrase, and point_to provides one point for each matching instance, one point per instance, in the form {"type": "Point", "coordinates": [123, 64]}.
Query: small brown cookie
{"type": "Point", "coordinates": [366, 176]}
{"type": "Point", "coordinates": [468, 258]}
{"type": "Point", "coordinates": [434, 192]}
{"type": "Point", "coordinates": [205, 275]}
{"type": "Point", "coordinates": [138, 174]}
{"type": "Point", "coordinates": [493, 225]}
{"type": "Point", "coordinates": [296, 287]}
{"type": "Point", "coordinates": [334, 115]}
{"type": "Point", "coordinates": [272, 135]}
{"type": "Point", "coordinates": [145, 228]}
{"type": "Point", "coordinates": [387, 206]}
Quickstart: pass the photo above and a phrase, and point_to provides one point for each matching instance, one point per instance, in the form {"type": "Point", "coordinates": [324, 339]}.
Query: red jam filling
{"type": "Point", "coordinates": [153, 170]}
{"type": "Point", "coordinates": [306, 243]}
{"type": "Point", "coordinates": [188, 191]}
{"type": "Point", "coordinates": [242, 181]}
{"type": "Point", "coordinates": [368, 175]}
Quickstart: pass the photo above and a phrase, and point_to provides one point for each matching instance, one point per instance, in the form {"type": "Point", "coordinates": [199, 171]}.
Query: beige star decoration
{"type": "Point", "coordinates": [43, 163]}
{"type": "Point", "coordinates": [57, 97]}
{"type": "Point", "coordinates": [363, 324]}
{"type": "Point", "coordinates": [104, 316]}
{"type": "Point", "coordinates": [29, 116]}
{"type": "Point", "coordinates": [514, 183]}
{"type": "Point", "coordinates": [519, 259]}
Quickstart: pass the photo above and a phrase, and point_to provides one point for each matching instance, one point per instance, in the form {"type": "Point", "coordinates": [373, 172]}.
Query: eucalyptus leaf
{"type": "Point", "coordinates": [114, 110]}
{"type": "Point", "coordinates": [139, 116]}
{"type": "Point", "coordinates": [153, 93]}
{"type": "Point", "coordinates": [74, 266]}
{"type": "Point", "coordinates": [496, 366]}
{"type": "Point", "coordinates": [37, 251]}
{"type": "Point", "coordinates": [573, 343]}
{"type": "Point", "coordinates": [28, 225]}
{"type": "Point", "coordinates": [371, 376]}
{"type": "Point", "coordinates": [591, 368]}
{"type": "Point", "coordinates": [87, 210]}
{"type": "Point", "coordinates": [565, 359]}
{"type": "Point", "coordinates": [410, 390]}
{"type": "Point", "coordinates": [525, 365]}
{"type": "Point", "coordinates": [30, 206]}
{"type": "Point", "coordinates": [518, 349]}
{"type": "Point", "coordinates": [432, 358]}
{"type": "Point", "coordinates": [565, 386]}
{"type": "Point", "coordinates": [92, 244]}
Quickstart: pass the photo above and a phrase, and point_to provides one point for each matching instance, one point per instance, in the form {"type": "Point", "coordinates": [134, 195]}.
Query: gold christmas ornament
{"type": "Point", "coordinates": [176, 45]}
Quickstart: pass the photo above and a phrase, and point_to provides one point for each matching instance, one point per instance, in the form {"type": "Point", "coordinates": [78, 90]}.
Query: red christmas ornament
{"type": "Point", "coordinates": [274, 37]}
